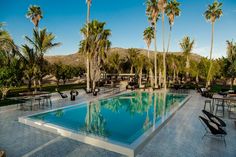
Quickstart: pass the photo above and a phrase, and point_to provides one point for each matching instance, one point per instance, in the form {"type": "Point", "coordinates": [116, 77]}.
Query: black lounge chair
{"type": "Point", "coordinates": [212, 129]}
{"type": "Point", "coordinates": [63, 95]}
{"type": "Point", "coordinates": [214, 119]}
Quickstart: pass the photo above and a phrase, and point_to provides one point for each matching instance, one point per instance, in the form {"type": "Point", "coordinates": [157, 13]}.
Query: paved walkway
{"type": "Point", "coordinates": [181, 137]}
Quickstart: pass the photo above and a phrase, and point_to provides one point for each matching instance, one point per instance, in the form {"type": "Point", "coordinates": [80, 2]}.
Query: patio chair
{"type": "Point", "coordinates": [214, 119]}
{"type": "Point", "coordinates": [63, 95]}
{"type": "Point", "coordinates": [212, 129]}
{"type": "Point", "coordinates": [231, 105]}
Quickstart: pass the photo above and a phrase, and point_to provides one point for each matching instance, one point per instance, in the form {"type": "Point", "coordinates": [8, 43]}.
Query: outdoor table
{"type": "Point", "coordinates": [224, 99]}
{"type": "Point", "coordinates": [34, 96]}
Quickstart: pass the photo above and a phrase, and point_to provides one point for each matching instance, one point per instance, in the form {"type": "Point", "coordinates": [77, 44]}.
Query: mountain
{"type": "Point", "coordinates": [78, 59]}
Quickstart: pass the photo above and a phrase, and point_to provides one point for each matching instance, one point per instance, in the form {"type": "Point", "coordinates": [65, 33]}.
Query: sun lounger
{"type": "Point", "coordinates": [212, 129]}
{"type": "Point", "coordinates": [214, 119]}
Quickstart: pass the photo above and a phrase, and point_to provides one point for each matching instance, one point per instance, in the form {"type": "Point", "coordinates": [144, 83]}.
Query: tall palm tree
{"type": "Point", "coordinates": [96, 45]}
{"type": "Point", "coordinates": [162, 6]}
{"type": "Point", "coordinates": [172, 10]}
{"type": "Point", "coordinates": [187, 46]}
{"type": "Point", "coordinates": [152, 12]}
{"type": "Point", "coordinates": [89, 2]}
{"type": "Point", "coordinates": [42, 42]}
{"type": "Point", "coordinates": [34, 13]}
{"type": "Point", "coordinates": [148, 35]}
{"type": "Point", "coordinates": [212, 13]}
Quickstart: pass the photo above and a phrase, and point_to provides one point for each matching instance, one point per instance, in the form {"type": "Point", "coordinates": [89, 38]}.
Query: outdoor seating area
{"type": "Point", "coordinates": [174, 133]}
{"type": "Point", "coordinates": [152, 78]}
{"type": "Point", "coordinates": [219, 104]}
{"type": "Point", "coordinates": [34, 100]}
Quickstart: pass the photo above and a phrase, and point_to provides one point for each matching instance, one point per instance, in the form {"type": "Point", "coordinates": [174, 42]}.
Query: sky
{"type": "Point", "coordinates": [125, 18]}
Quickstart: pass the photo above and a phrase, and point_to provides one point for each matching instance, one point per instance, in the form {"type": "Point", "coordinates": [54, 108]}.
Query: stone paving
{"type": "Point", "coordinates": [180, 137]}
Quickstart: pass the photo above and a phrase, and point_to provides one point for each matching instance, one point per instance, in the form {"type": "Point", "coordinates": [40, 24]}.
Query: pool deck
{"type": "Point", "coordinates": [180, 137]}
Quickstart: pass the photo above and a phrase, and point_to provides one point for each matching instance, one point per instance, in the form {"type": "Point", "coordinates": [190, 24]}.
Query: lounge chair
{"type": "Point", "coordinates": [214, 119]}
{"type": "Point", "coordinates": [212, 129]}
{"type": "Point", "coordinates": [63, 95]}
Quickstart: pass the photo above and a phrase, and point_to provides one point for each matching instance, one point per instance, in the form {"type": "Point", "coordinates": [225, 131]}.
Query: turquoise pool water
{"type": "Point", "coordinates": [123, 118]}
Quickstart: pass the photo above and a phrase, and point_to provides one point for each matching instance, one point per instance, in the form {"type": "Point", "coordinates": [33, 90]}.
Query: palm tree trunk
{"type": "Point", "coordinates": [174, 77]}
{"type": "Point", "coordinates": [168, 47]}
{"type": "Point", "coordinates": [209, 71]}
{"type": "Point", "coordinates": [232, 83]}
{"type": "Point", "coordinates": [87, 55]}
{"type": "Point", "coordinates": [131, 69]}
{"type": "Point", "coordinates": [155, 54]}
{"type": "Point", "coordinates": [35, 88]}
{"type": "Point", "coordinates": [160, 77]}
{"type": "Point", "coordinates": [150, 70]}
{"type": "Point", "coordinates": [140, 78]}
{"type": "Point", "coordinates": [197, 79]}
{"type": "Point", "coordinates": [29, 84]}
{"type": "Point", "coordinates": [164, 53]}
{"type": "Point", "coordinates": [187, 68]}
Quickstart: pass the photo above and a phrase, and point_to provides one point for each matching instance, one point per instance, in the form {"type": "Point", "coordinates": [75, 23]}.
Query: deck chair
{"type": "Point", "coordinates": [63, 95]}
{"type": "Point", "coordinates": [214, 118]}
{"type": "Point", "coordinates": [212, 129]}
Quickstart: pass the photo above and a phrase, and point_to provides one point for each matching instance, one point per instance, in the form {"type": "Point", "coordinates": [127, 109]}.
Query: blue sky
{"type": "Point", "coordinates": [126, 19]}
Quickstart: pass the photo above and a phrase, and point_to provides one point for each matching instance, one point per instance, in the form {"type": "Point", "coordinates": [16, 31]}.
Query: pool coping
{"type": "Point", "coordinates": [130, 150]}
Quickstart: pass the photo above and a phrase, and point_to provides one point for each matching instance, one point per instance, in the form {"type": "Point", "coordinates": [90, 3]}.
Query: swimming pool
{"type": "Point", "coordinates": [122, 123]}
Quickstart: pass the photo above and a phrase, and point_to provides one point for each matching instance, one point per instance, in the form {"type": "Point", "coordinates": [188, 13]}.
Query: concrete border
{"type": "Point", "coordinates": [118, 147]}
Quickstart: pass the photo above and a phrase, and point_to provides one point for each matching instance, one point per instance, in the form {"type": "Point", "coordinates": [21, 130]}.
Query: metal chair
{"type": "Point", "coordinates": [208, 102]}
{"type": "Point", "coordinates": [212, 130]}
{"type": "Point", "coordinates": [219, 103]}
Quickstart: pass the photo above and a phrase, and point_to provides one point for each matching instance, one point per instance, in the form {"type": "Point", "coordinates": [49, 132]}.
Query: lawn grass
{"type": "Point", "coordinates": [7, 102]}
{"type": "Point", "coordinates": [14, 92]}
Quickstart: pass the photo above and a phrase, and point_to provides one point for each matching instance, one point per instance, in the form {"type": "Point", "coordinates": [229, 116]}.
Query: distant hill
{"type": "Point", "coordinates": [79, 59]}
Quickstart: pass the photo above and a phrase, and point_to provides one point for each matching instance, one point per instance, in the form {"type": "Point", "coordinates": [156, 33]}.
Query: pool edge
{"type": "Point", "coordinates": [131, 150]}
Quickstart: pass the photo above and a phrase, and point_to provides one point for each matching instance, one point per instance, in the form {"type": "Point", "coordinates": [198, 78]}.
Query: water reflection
{"type": "Point", "coordinates": [153, 105]}
{"type": "Point", "coordinates": [121, 118]}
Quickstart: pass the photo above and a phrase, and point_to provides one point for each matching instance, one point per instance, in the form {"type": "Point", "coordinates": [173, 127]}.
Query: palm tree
{"type": "Point", "coordinates": [30, 58]}
{"type": "Point", "coordinates": [87, 54]}
{"type": "Point", "coordinates": [212, 13]}
{"type": "Point", "coordinates": [162, 6]}
{"type": "Point", "coordinates": [140, 61]}
{"type": "Point", "coordinates": [152, 12]}
{"type": "Point", "coordinates": [42, 42]}
{"type": "Point", "coordinates": [34, 13]}
{"type": "Point", "coordinates": [96, 45]}
{"type": "Point", "coordinates": [172, 10]}
{"type": "Point", "coordinates": [148, 35]}
{"type": "Point", "coordinates": [132, 56]}
{"type": "Point", "coordinates": [231, 61]}
{"type": "Point", "coordinates": [8, 49]}
{"type": "Point", "coordinates": [187, 46]}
